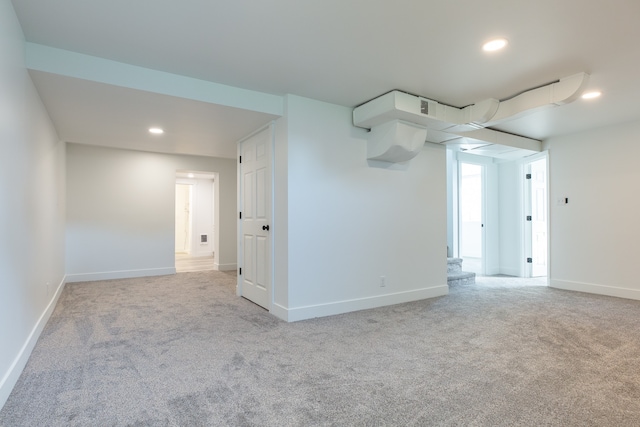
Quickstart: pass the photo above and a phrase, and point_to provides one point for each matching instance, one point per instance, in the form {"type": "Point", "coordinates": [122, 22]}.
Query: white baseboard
{"type": "Point", "coordinates": [591, 288]}
{"type": "Point", "coordinates": [490, 271]}
{"type": "Point", "coordinates": [308, 312]}
{"type": "Point", "coordinates": [510, 272]}
{"type": "Point", "coordinates": [13, 374]}
{"type": "Point", "coordinates": [124, 274]}
{"type": "Point", "coordinates": [225, 267]}
{"type": "Point", "coordinates": [201, 254]}
{"type": "Point", "coordinates": [279, 311]}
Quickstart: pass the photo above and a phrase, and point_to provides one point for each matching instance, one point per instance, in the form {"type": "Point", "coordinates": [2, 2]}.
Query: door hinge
{"type": "Point", "coordinates": [528, 217]}
{"type": "Point", "coordinates": [530, 260]}
{"type": "Point", "coordinates": [240, 271]}
{"type": "Point", "coordinates": [240, 159]}
{"type": "Point", "coordinates": [240, 215]}
{"type": "Point", "coordinates": [528, 176]}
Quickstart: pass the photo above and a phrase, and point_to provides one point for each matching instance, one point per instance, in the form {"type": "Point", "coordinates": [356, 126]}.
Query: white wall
{"type": "Point", "coordinates": [349, 222]}
{"type": "Point", "coordinates": [121, 208]}
{"type": "Point", "coordinates": [31, 208]}
{"type": "Point", "coordinates": [594, 238]}
{"type": "Point", "coordinates": [202, 215]}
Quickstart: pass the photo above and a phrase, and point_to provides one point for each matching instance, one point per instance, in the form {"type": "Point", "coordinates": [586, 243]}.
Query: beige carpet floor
{"type": "Point", "coordinates": [183, 350]}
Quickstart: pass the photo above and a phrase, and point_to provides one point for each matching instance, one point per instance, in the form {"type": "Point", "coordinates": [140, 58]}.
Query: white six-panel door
{"type": "Point", "coordinates": [255, 224]}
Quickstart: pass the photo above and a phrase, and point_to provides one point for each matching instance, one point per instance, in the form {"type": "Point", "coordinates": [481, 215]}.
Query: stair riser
{"type": "Point", "coordinates": [462, 281]}
{"type": "Point", "coordinates": [454, 268]}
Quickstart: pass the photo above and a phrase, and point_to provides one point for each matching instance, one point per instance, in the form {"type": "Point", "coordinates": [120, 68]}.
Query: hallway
{"type": "Point", "coordinates": [186, 263]}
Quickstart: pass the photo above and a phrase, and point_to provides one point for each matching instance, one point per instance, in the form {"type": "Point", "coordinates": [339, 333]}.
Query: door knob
{"type": "Point", "coordinates": [265, 227]}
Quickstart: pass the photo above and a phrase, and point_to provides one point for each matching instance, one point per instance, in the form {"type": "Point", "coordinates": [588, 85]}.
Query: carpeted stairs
{"type": "Point", "coordinates": [455, 275]}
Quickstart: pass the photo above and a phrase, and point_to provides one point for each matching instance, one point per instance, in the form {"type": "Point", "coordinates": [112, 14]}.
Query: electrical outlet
{"type": "Point", "coordinates": [383, 281]}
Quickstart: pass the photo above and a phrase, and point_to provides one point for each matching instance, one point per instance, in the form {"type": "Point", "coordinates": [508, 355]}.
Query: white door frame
{"type": "Point", "coordinates": [240, 249]}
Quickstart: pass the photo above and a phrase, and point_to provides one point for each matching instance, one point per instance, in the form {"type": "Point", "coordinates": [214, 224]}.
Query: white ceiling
{"type": "Point", "coordinates": [343, 52]}
{"type": "Point", "coordinates": [100, 114]}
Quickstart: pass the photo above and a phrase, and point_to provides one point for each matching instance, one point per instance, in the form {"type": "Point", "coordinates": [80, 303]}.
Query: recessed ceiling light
{"type": "Point", "coordinates": [156, 131]}
{"type": "Point", "coordinates": [494, 45]}
{"type": "Point", "coordinates": [591, 95]}
{"type": "Point", "coordinates": [191, 175]}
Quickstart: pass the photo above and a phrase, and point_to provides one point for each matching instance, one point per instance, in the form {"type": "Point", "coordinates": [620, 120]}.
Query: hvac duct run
{"type": "Point", "coordinates": [398, 120]}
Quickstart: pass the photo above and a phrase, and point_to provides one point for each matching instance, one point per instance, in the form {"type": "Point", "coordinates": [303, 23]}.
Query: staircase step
{"type": "Point", "coordinates": [461, 278]}
{"type": "Point", "coordinates": [454, 265]}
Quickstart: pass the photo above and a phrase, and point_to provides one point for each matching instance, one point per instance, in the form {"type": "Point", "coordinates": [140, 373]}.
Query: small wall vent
{"type": "Point", "coordinates": [424, 106]}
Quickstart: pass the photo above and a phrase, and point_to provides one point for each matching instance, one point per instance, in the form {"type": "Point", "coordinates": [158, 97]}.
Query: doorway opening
{"type": "Point", "coordinates": [497, 218]}
{"type": "Point", "coordinates": [471, 217]}
{"type": "Point", "coordinates": [194, 221]}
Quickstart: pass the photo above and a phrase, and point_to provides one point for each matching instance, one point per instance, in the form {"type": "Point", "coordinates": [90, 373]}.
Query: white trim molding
{"type": "Point", "coordinates": [10, 379]}
{"type": "Point", "coordinates": [591, 288]}
{"type": "Point", "coordinates": [225, 267]}
{"type": "Point", "coordinates": [329, 309]}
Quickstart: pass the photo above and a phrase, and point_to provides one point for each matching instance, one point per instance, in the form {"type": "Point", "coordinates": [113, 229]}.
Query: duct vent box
{"type": "Point", "coordinates": [398, 105]}
{"type": "Point", "coordinates": [424, 106]}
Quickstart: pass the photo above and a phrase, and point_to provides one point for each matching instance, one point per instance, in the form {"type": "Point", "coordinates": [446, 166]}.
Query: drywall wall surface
{"type": "Point", "coordinates": [203, 218]}
{"type": "Point", "coordinates": [121, 208]}
{"type": "Point", "coordinates": [360, 234]}
{"type": "Point", "coordinates": [31, 208]}
{"type": "Point", "coordinates": [594, 236]}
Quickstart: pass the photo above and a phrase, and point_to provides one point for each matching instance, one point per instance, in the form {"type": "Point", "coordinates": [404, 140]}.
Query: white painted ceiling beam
{"type": "Point", "coordinates": [502, 138]}
{"type": "Point", "coordinates": [72, 64]}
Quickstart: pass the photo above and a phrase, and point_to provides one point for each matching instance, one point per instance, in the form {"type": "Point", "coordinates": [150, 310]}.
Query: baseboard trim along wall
{"type": "Point", "coordinates": [124, 274]}
{"type": "Point", "coordinates": [225, 267]}
{"type": "Point", "coordinates": [591, 288]}
{"type": "Point", "coordinates": [510, 272]}
{"type": "Point", "coordinates": [11, 377]}
{"type": "Point", "coordinates": [198, 254]}
{"type": "Point", "coordinates": [309, 312]}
